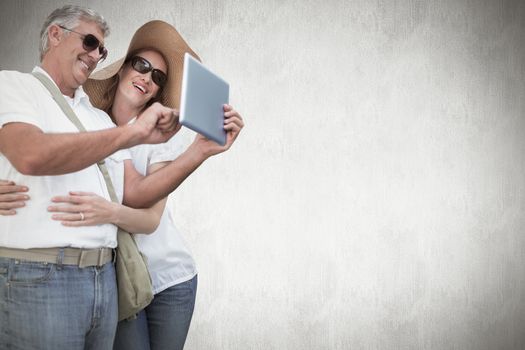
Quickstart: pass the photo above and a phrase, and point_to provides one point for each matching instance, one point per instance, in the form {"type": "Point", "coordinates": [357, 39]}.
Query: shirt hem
{"type": "Point", "coordinates": [174, 282]}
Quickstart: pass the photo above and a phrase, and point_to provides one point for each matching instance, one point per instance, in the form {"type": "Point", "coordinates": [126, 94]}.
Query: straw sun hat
{"type": "Point", "coordinates": [156, 35]}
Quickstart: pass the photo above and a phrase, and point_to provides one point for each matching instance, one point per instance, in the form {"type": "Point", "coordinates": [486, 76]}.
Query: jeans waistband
{"type": "Point", "coordinates": [66, 256]}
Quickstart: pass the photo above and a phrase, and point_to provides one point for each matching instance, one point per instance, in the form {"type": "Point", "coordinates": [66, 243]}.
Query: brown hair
{"type": "Point", "coordinates": [109, 95]}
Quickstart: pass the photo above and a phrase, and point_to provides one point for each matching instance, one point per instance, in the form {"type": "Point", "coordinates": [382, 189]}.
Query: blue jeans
{"type": "Point", "coordinates": [164, 324]}
{"type": "Point", "coordinates": [54, 306]}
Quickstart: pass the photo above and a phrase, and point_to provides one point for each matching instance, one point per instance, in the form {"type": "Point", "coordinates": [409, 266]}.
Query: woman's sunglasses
{"type": "Point", "coordinates": [90, 43]}
{"type": "Point", "coordinates": [143, 66]}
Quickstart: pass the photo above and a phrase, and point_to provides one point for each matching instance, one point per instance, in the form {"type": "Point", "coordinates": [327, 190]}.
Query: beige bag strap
{"type": "Point", "coordinates": [68, 111]}
{"type": "Point", "coordinates": [135, 290]}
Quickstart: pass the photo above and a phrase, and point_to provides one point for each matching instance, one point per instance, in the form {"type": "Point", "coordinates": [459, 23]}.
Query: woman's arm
{"type": "Point", "coordinates": [11, 197]}
{"type": "Point", "coordinates": [142, 191]}
{"type": "Point", "coordinates": [97, 210]}
{"type": "Point", "coordinates": [88, 209]}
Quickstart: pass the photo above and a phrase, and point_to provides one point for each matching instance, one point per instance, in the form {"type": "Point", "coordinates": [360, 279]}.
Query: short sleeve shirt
{"type": "Point", "coordinates": [24, 99]}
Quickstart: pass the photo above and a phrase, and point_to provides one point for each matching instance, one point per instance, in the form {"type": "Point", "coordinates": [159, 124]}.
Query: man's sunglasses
{"type": "Point", "coordinates": [90, 43]}
{"type": "Point", "coordinates": [143, 66]}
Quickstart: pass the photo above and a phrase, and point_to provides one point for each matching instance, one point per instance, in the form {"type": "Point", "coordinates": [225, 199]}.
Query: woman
{"type": "Point", "coordinates": [151, 71]}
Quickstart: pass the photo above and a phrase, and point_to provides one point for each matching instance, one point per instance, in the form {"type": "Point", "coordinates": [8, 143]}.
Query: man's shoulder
{"type": "Point", "coordinates": [14, 74]}
{"type": "Point", "coordinates": [17, 78]}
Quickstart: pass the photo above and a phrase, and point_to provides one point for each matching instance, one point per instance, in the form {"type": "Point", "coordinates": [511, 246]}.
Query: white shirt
{"type": "Point", "coordinates": [24, 99]}
{"type": "Point", "coordinates": [169, 259]}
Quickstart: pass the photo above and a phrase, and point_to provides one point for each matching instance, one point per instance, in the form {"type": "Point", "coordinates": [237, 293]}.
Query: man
{"type": "Point", "coordinates": [57, 285]}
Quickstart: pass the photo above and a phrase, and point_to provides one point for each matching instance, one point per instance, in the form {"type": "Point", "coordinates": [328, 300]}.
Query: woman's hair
{"type": "Point", "coordinates": [69, 16]}
{"type": "Point", "coordinates": [109, 95]}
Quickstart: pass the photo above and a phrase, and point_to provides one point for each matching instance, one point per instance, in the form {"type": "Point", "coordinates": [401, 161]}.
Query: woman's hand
{"type": "Point", "coordinates": [83, 209]}
{"type": "Point", "coordinates": [11, 197]}
{"type": "Point", "coordinates": [89, 209]}
{"type": "Point", "coordinates": [233, 124]}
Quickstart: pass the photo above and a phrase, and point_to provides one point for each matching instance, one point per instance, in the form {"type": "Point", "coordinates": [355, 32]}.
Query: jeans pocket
{"type": "Point", "coordinates": [3, 275]}
{"type": "Point", "coordinates": [26, 273]}
{"type": "Point", "coordinates": [4, 264]}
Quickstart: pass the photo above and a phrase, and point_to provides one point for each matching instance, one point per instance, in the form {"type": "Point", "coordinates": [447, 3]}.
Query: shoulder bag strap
{"type": "Point", "coordinates": [68, 111]}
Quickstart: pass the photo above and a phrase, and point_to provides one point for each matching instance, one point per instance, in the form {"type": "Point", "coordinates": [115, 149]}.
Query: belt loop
{"type": "Point", "coordinates": [60, 258]}
{"type": "Point", "coordinates": [83, 260]}
{"type": "Point", "coordinates": [100, 256]}
{"type": "Point", "coordinates": [114, 255]}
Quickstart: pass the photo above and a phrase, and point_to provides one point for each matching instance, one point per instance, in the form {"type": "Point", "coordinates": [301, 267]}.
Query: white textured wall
{"type": "Point", "coordinates": [376, 197]}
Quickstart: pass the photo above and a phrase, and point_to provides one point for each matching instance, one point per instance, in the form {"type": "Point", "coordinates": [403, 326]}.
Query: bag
{"type": "Point", "coordinates": [135, 290]}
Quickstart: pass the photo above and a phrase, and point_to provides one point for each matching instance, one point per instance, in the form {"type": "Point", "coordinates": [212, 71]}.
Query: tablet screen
{"type": "Point", "coordinates": [203, 95]}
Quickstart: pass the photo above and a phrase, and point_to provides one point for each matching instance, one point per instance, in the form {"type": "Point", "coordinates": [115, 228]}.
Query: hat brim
{"type": "Point", "coordinates": [156, 35]}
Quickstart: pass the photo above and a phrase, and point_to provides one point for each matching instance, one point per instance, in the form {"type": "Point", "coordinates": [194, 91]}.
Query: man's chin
{"type": "Point", "coordinates": [81, 77]}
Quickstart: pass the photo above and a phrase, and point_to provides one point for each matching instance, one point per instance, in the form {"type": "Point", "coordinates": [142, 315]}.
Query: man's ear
{"type": "Point", "coordinates": [54, 35]}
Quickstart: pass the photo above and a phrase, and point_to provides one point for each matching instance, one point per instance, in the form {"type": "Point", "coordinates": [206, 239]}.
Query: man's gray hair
{"type": "Point", "coordinates": [69, 16]}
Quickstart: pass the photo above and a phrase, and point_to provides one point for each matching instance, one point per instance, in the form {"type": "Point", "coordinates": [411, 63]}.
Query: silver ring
{"type": "Point", "coordinates": [81, 216]}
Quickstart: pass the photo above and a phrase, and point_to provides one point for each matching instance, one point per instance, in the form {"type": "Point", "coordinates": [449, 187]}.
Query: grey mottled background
{"type": "Point", "coordinates": [376, 197]}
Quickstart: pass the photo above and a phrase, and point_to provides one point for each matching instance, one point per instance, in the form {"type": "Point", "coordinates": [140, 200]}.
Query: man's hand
{"type": "Point", "coordinates": [11, 197]}
{"type": "Point", "coordinates": [158, 123]}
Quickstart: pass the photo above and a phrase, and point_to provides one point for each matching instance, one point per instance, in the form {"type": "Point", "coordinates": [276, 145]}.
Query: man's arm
{"type": "Point", "coordinates": [33, 152]}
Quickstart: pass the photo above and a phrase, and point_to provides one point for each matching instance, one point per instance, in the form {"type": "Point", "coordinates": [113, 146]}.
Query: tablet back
{"type": "Point", "coordinates": [202, 96]}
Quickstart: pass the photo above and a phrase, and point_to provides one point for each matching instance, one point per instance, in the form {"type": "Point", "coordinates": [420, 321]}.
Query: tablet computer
{"type": "Point", "coordinates": [203, 95]}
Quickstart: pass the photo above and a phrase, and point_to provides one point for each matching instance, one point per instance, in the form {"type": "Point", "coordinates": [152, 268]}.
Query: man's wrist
{"type": "Point", "coordinates": [130, 135]}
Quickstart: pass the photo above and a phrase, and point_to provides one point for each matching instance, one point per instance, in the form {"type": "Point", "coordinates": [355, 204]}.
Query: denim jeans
{"type": "Point", "coordinates": [164, 324]}
{"type": "Point", "coordinates": [54, 306]}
